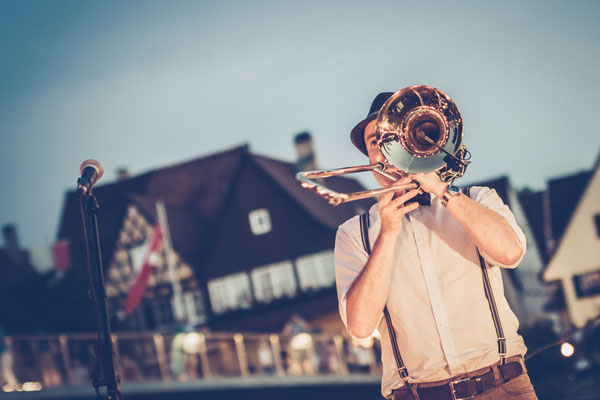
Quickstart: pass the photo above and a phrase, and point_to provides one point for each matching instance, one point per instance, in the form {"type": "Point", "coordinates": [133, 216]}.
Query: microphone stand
{"type": "Point", "coordinates": [104, 349]}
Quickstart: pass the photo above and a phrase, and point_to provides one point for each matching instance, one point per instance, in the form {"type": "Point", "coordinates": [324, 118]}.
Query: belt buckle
{"type": "Point", "coordinates": [453, 390]}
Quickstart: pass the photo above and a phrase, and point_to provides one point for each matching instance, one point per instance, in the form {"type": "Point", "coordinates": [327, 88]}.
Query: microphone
{"type": "Point", "coordinates": [91, 171]}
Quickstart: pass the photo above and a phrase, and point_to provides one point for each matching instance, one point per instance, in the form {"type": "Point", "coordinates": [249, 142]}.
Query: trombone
{"type": "Point", "coordinates": [419, 129]}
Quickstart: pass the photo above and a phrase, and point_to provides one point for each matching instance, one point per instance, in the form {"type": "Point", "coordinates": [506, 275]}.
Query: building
{"type": "Point", "coordinates": [14, 261]}
{"type": "Point", "coordinates": [22, 290]}
{"type": "Point", "coordinates": [575, 262]}
{"type": "Point", "coordinates": [250, 245]}
{"type": "Point", "coordinates": [523, 287]}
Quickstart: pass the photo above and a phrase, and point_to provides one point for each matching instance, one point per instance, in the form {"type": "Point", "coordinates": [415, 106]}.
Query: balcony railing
{"type": "Point", "coordinates": [40, 361]}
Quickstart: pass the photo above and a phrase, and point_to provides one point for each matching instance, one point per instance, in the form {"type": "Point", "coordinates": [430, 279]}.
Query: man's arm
{"type": "Point", "coordinates": [369, 291]}
{"type": "Point", "coordinates": [490, 231]}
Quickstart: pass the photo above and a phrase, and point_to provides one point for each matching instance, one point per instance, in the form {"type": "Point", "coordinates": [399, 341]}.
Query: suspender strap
{"type": "Point", "coordinates": [364, 231]}
{"type": "Point", "coordinates": [487, 286]}
{"type": "Point", "coordinates": [402, 371]}
{"type": "Point", "coordinates": [489, 294]}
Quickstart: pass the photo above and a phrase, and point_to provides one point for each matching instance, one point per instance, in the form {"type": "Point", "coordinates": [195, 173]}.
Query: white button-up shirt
{"type": "Point", "coordinates": [437, 303]}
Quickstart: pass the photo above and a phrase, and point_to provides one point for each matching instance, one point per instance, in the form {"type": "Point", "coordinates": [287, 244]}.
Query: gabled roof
{"type": "Point", "coordinates": [284, 174]}
{"type": "Point", "coordinates": [198, 185]}
{"type": "Point", "coordinates": [565, 193]}
{"type": "Point", "coordinates": [534, 206]}
{"type": "Point", "coordinates": [577, 253]}
{"type": "Point", "coordinates": [549, 211]}
{"type": "Point", "coordinates": [501, 184]}
{"type": "Point", "coordinates": [574, 246]}
{"type": "Point", "coordinates": [194, 193]}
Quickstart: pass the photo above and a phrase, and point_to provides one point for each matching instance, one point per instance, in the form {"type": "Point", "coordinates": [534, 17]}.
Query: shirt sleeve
{"type": "Point", "coordinates": [349, 258]}
{"type": "Point", "coordinates": [490, 199]}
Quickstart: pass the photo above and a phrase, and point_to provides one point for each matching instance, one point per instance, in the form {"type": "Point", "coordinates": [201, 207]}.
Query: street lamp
{"type": "Point", "coordinates": [567, 349]}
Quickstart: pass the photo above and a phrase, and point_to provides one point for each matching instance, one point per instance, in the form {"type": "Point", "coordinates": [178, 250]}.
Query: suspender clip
{"type": "Point", "coordinates": [403, 372]}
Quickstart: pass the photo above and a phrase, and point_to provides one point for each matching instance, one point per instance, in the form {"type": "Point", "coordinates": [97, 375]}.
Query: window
{"type": "Point", "coordinates": [260, 221]}
{"type": "Point", "coordinates": [163, 313]}
{"type": "Point", "coordinates": [194, 307]}
{"type": "Point", "coordinates": [597, 222]}
{"type": "Point", "coordinates": [136, 256]}
{"type": "Point", "coordinates": [316, 271]}
{"type": "Point", "coordinates": [156, 313]}
{"type": "Point", "coordinates": [230, 293]}
{"type": "Point", "coordinates": [587, 284]}
{"type": "Point", "coordinates": [274, 281]}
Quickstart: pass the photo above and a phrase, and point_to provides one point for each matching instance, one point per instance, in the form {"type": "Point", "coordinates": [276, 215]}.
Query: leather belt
{"type": "Point", "coordinates": [463, 387]}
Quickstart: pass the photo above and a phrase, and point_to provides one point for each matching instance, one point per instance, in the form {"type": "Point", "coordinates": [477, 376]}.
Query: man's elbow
{"type": "Point", "coordinates": [512, 256]}
{"type": "Point", "coordinates": [358, 329]}
{"type": "Point", "coordinates": [359, 333]}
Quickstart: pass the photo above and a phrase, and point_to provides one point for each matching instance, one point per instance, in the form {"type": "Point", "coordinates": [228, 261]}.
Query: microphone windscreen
{"type": "Point", "coordinates": [94, 164]}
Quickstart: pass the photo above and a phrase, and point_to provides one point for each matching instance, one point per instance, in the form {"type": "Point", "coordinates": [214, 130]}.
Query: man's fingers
{"type": "Point", "coordinates": [397, 212]}
{"type": "Point", "coordinates": [410, 207]}
{"type": "Point", "coordinates": [385, 198]}
{"type": "Point", "coordinates": [403, 198]}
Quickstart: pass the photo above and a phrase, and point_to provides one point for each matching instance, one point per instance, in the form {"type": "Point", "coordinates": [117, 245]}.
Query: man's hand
{"type": "Point", "coordinates": [491, 232]}
{"type": "Point", "coordinates": [369, 291]}
{"type": "Point", "coordinates": [430, 183]}
{"type": "Point", "coordinates": [392, 209]}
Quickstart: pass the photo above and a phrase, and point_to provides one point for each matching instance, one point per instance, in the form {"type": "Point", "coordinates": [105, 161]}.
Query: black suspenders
{"type": "Point", "coordinates": [402, 371]}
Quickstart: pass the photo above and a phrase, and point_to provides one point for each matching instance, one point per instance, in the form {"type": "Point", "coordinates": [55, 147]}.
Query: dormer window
{"type": "Point", "coordinates": [260, 221]}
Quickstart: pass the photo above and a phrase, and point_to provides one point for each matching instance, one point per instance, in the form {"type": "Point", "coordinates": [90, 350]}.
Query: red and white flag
{"type": "Point", "coordinates": [150, 261]}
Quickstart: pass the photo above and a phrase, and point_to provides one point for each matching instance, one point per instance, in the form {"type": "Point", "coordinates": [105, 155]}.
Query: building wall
{"type": "Point", "coordinates": [578, 255]}
{"type": "Point", "coordinates": [293, 232]}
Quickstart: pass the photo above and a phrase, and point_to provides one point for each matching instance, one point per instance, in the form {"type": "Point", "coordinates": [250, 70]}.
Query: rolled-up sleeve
{"type": "Point", "coordinates": [350, 258]}
{"type": "Point", "coordinates": [490, 199]}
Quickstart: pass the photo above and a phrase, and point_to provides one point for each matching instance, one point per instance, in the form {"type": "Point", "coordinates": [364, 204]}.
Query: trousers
{"type": "Point", "coordinates": [517, 388]}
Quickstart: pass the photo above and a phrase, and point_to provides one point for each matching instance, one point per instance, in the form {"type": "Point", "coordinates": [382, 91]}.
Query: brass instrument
{"type": "Point", "coordinates": [419, 129]}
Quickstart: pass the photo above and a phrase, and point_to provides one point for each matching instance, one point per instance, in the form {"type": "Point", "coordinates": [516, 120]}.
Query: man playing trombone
{"type": "Point", "coordinates": [428, 278]}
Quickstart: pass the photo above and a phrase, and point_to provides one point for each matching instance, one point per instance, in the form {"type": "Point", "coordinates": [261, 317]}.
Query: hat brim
{"type": "Point", "coordinates": [357, 135]}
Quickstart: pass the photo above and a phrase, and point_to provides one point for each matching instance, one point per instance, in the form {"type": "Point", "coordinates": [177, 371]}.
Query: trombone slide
{"type": "Point", "coordinates": [335, 198]}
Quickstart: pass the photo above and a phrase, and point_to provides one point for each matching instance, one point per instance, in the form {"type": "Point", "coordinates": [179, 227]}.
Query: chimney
{"type": "Point", "coordinates": [122, 174]}
{"type": "Point", "coordinates": [306, 160]}
{"type": "Point", "coordinates": [11, 244]}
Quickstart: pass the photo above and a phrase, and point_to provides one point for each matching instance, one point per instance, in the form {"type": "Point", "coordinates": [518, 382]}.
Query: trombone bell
{"type": "Point", "coordinates": [419, 130]}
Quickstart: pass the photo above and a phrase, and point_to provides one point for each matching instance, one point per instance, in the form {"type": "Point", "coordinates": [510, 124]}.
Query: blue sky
{"type": "Point", "coordinates": [145, 84]}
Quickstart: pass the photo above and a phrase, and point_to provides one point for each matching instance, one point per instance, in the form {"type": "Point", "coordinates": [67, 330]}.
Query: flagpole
{"type": "Point", "coordinates": [161, 212]}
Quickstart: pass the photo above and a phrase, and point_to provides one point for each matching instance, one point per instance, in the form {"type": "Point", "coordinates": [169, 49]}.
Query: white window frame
{"type": "Point", "coordinates": [260, 221]}
{"type": "Point", "coordinates": [316, 271]}
{"type": "Point", "coordinates": [281, 279]}
{"type": "Point", "coordinates": [194, 307]}
{"type": "Point", "coordinates": [225, 293]}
